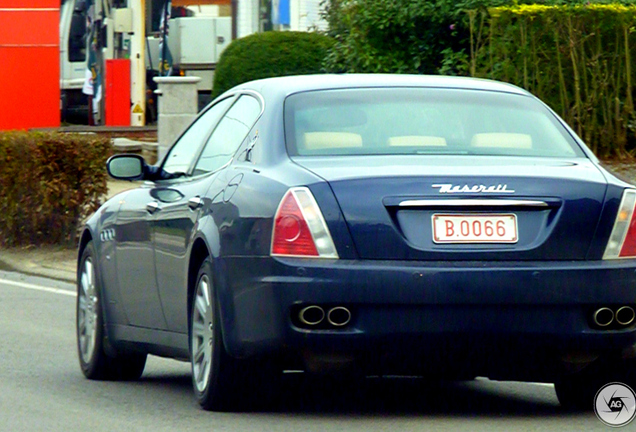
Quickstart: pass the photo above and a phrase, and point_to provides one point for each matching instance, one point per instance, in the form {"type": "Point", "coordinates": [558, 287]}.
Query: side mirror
{"type": "Point", "coordinates": [126, 167]}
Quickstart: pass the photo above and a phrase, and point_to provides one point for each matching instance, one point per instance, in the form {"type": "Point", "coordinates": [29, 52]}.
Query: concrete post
{"type": "Point", "coordinates": [178, 106]}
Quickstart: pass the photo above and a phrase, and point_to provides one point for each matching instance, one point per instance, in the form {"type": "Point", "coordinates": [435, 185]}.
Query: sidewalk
{"type": "Point", "coordinates": [51, 261]}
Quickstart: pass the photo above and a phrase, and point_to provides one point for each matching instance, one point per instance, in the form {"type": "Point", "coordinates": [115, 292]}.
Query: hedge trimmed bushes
{"type": "Point", "coordinates": [577, 58]}
{"type": "Point", "coordinates": [576, 55]}
{"type": "Point", "coordinates": [49, 183]}
{"type": "Point", "coordinates": [394, 36]}
{"type": "Point", "coordinates": [270, 54]}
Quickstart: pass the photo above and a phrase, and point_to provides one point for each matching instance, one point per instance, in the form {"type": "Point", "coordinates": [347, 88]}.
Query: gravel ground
{"type": "Point", "coordinates": [624, 169]}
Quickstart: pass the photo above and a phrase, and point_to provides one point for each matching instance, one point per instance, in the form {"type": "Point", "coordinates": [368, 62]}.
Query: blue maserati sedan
{"type": "Point", "coordinates": [379, 224]}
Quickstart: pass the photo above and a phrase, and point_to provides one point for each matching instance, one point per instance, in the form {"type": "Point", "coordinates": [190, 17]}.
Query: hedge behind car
{"type": "Point", "coordinates": [48, 183]}
{"type": "Point", "coordinates": [270, 54]}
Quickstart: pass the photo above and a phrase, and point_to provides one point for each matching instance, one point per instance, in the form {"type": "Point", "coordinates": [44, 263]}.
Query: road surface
{"type": "Point", "coordinates": [42, 389]}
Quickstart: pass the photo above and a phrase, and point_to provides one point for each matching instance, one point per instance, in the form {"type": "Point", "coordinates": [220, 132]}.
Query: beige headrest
{"type": "Point", "coordinates": [502, 140]}
{"type": "Point", "coordinates": [327, 140]}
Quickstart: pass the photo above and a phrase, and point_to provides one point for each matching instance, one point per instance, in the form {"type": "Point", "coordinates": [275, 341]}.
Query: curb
{"type": "Point", "coordinates": [53, 264]}
{"type": "Point", "coordinates": [50, 261]}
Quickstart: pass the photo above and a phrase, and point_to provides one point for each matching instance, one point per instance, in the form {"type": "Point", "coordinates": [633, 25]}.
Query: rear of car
{"type": "Point", "coordinates": [456, 230]}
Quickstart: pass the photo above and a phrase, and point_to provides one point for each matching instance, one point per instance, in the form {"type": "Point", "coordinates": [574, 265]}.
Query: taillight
{"type": "Point", "coordinates": [299, 227]}
{"type": "Point", "coordinates": [622, 242]}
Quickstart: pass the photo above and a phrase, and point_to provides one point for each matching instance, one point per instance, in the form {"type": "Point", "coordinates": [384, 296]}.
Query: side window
{"type": "Point", "coordinates": [186, 149]}
{"type": "Point", "coordinates": [229, 134]}
{"type": "Point", "coordinates": [78, 32]}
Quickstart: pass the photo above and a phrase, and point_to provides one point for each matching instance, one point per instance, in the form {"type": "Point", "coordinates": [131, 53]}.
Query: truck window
{"type": "Point", "coordinates": [77, 38]}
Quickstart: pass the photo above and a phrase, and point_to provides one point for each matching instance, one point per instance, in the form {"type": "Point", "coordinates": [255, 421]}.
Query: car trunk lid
{"type": "Point", "coordinates": [442, 207]}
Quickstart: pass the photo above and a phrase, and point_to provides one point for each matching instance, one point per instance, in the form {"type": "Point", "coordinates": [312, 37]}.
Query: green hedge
{"type": "Point", "coordinates": [577, 58]}
{"type": "Point", "coordinates": [574, 54]}
{"type": "Point", "coordinates": [49, 183]}
{"type": "Point", "coordinates": [409, 36]}
{"type": "Point", "coordinates": [270, 54]}
{"type": "Point", "coordinates": [394, 36]}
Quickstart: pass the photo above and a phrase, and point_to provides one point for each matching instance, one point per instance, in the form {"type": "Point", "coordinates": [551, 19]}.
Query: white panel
{"type": "Point", "coordinates": [122, 19]}
{"type": "Point", "coordinates": [310, 16]}
{"type": "Point", "coordinates": [247, 17]}
{"type": "Point", "coordinates": [198, 41]}
{"type": "Point", "coordinates": [294, 15]}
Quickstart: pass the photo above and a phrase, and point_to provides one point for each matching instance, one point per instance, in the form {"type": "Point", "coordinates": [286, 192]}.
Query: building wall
{"type": "Point", "coordinates": [305, 15]}
{"type": "Point", "coordinates": [30, 72]}
{"type": "Point", "coordinates": [247, 17]}
{"type": "Point", "coordinates": [309, 16]}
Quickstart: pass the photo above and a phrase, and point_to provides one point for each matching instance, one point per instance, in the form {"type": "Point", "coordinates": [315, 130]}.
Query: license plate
{"type": "Point", "coordinates": [472, 228]}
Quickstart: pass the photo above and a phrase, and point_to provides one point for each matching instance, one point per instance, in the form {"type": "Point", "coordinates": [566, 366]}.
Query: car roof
{"type": "Point", "coordinates": [284, 86]}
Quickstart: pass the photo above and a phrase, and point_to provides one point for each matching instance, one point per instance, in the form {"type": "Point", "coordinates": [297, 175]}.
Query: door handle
{"type": "Point", "coordinates": [195, 203]}
{"type": "Point", "coordinates": [152, 207]}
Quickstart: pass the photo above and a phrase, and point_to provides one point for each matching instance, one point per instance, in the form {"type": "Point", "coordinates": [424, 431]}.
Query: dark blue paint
{"type": "Point", "coordinates": [408, 294]}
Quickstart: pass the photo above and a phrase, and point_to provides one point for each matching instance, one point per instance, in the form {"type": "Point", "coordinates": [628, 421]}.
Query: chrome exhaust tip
{"type": "Point", "coordinates": [603, 317]}
{"type": "Point", "coordinates": [311, 315]}
{"type": "Point", "coordinates": [625, 315]}
{"type": "Point", "coordinates": [339, 316]}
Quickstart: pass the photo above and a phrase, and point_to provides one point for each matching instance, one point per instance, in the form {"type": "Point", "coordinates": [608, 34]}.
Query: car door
{"type": "Point", "coordinates": [135, 239]}
{"type": "Point", "coordinates": [191, 196]}
{"type": "Point", "coordinates": [135, 261]}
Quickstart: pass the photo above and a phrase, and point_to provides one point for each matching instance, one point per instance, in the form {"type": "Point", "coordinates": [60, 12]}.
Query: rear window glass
{"type": "Point", "coordinates": [398, 121]}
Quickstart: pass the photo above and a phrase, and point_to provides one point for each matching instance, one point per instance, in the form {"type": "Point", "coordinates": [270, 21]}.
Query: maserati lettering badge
{"type": "Point", "coordinates": [456, 189]}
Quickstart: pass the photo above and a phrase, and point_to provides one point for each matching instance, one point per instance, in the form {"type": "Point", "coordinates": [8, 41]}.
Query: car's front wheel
{"type": "Point", "coordinates": [94, 361]}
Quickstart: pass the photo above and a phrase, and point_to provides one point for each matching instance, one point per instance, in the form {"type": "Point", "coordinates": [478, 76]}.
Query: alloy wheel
{"type": "Point", "coordinates": [88, 305]}
{"type": "Point", "coordinates": [202, 334]}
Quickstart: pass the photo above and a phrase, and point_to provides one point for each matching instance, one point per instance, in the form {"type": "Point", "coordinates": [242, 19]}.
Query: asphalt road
{"type": "Point", "coordinates": [42, 389]}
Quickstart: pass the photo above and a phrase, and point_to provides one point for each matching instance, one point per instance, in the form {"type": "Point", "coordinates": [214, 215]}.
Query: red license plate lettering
{"type": "Point", "coordinates": [474, 228]}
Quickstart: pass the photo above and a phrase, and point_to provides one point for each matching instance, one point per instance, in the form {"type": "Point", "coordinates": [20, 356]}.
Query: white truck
{"type": "Point", "coordinates": [73, 58]}
{"type": "Point", "coordinates": [195, 41]}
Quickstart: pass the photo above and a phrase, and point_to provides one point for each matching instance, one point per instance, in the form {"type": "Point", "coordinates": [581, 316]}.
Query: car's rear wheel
{"type": "Point", "coordinates": [211, 366]}
{"type": "Point", "coordinates": [94, 361]}
{"type": "Point", "coordinates": [578, 391]}
{"type": "Point", "coordinates": [221, 382]}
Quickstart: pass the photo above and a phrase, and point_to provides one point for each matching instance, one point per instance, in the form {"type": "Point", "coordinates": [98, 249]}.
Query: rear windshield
{"type": "Point", "coordinates": [399, 121]}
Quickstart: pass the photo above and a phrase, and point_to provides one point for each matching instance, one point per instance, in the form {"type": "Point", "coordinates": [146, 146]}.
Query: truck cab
{"type": "Point", "coordinates": [74, 34]}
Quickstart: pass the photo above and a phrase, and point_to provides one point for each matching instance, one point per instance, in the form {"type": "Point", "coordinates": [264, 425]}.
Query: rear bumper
{"type": "Point", "coordinates": [401, 307]}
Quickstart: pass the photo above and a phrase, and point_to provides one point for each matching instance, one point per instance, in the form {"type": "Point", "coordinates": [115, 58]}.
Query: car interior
{"type": "Point", "coordinates": [417, 126]}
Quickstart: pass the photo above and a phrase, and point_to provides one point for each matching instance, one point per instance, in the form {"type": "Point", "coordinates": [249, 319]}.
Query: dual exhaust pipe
{"type": "Point", "coordinates": [339, 316]}
{"type": "Point", "coordinates": [314, 315]}
{"type": "Point", "coordinates": [605, 316]}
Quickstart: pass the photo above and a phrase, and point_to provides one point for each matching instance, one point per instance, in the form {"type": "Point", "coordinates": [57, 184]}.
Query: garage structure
{"type": "Point", "coordinates": [29, 76]}
{"type": "Point", "coordinates": [47, 70]}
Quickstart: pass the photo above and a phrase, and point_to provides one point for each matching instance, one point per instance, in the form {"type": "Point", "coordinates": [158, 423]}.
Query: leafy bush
{"type": "Point", "coordinates": [395, 36]}
{"type": "Point", "coordinates": [49, 182]}
{"type": "Point", "coordinates": [574, 54]}
{"type": "Point", "coordinates": [270, 54]}
{"type": "Point", "coordinates": [577, 58]}
{"type": "Point", "coordinates": [408, 36]}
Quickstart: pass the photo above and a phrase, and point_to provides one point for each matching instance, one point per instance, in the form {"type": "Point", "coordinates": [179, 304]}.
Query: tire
{"type": "Point", "coordinates": [221, 382]}
{"type": "Point", "coordinates": [578, 391]}
{"type": "Point", "coordinates": [95, 363]}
